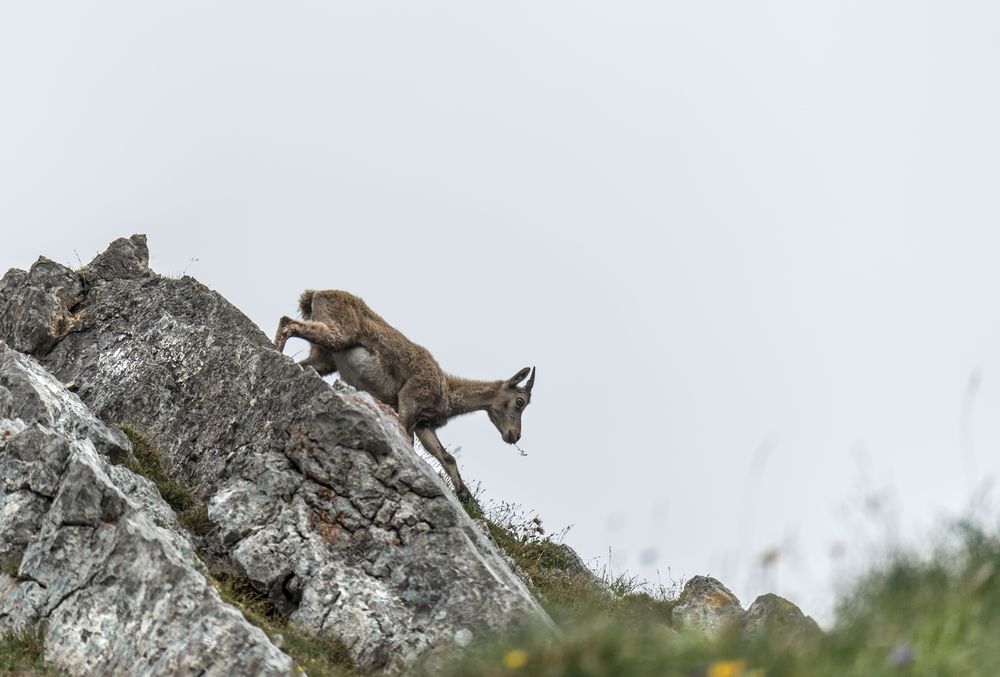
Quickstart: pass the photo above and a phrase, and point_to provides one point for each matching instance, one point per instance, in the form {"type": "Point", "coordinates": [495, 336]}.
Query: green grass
{"type": "Point", "coordinates": [566, 587]}
{"type": "Point", "coordinates": [145, 460]}
{"type": "Point", "coordinates": [194, 518]}
{"type": "Point", "coordinates": [85, 284]}
{"type": "Point", "coordinates": [21, 653]}
{"type": "Point", "coordinates": [944, 608]}
{"type": "Point", "coordinates": [913, 615]}
{"type": "Point", "coordinates": [320, 656]}
{"type": "Point", "coordinates": [10, 566]}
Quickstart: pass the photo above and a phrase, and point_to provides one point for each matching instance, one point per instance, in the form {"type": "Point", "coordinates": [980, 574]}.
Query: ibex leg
{"type": "Point", "coordinates": [327, 336]}
{"type": "Point", "coordinates": [433, 445]}
{"type": "Point", "coordinates": [320, 359]}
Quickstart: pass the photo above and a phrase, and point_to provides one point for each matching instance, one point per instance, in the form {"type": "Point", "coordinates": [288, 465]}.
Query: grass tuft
{"type": "Point", "coordinates": [145, 460]}
{"type": "Point", "coordinates": [195, 519]}
{"type": "Point", "coordinates": [320, 656]}
{"type": "Point", "coordinates": [10, 566]}
{"type": "Point", "coordinates": [22, 653]}
{"type": "Point", "coordinates": [567, 588]}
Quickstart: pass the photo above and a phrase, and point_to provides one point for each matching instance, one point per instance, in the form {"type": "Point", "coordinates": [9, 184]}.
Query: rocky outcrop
{"type": "Point", "coordinates": [777, 618]}
{"type": "Point", "coordinates": [92, 551]}
{"type": "Point", "coordinates": [314, 495]}
{"type": "Point", "coordinates": [706, 604]}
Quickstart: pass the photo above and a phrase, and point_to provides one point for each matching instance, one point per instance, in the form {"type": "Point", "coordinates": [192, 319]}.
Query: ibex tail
{"type": "Point", "coordinates": [306, 304]}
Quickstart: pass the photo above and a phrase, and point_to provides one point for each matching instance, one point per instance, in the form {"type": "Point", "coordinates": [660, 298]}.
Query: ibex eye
{"type": "Point", "coordinates": [520, 401]}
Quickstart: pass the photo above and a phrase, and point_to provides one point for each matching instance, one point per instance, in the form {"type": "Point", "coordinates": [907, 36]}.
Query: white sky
{"type": "Point", "coordinates": [723, 231]}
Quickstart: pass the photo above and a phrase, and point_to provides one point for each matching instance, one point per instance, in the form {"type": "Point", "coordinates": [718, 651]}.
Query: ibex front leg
{"type": "Point", "coordinates": [433, 445]}
{"type": "Point", "coordinates": [327, 336]}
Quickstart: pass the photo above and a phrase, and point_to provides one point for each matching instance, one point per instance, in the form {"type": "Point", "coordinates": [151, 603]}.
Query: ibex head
{"type": "Point", "coordinates": [509, 404]}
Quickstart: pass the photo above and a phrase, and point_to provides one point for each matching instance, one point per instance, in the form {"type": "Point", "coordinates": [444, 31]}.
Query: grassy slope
{"type": "Point", "coordinates": [937, 615]}
{"type": "Point", "coordinates": [567, 589]}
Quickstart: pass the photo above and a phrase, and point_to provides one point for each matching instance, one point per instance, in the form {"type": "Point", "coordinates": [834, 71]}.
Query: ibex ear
{"type": "Point", "coordinates": [517, 378]}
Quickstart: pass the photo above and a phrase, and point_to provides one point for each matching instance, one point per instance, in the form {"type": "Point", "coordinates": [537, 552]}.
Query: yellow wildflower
{"type": "Point", "coordinates": [727, 669]}
{"type": "Point", "coordinates": [515, 658]}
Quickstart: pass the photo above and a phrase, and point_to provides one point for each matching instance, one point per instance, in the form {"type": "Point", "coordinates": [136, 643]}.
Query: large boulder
{"type": "Point", "coordinates": [92, 552]}
{"type": "Point", "coordinates": [314, 495]}
{"type": "Point", "coordinates": [707, 605]}
{"type": "Point", "coordinates": [778, 620]}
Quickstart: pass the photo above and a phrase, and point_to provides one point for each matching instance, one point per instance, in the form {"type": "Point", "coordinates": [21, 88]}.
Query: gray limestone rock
{"type": "Point", "coordinates": [125, 258]}
{"type": "Point", "coordinates": [43, 310]}
{"type": "Point", "coordinates": [100, 558]}
{"type": "Point", "coordinates": [706, 604]}
{"type": "Point", "coordinates": [779, 620]}
{"type": "Point", "coordinates": [315, 496]}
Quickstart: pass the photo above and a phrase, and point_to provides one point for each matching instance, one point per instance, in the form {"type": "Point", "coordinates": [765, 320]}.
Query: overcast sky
{"type": "Point", "coordinates": [752, 247]}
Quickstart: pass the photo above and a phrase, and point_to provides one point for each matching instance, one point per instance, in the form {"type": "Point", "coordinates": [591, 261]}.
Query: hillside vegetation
{"type": "Point", "coordinates": [912, 615]}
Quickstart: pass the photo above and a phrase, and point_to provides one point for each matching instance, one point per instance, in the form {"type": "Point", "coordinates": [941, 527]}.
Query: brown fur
{"type": "Point", "coordinates": [409, 379]}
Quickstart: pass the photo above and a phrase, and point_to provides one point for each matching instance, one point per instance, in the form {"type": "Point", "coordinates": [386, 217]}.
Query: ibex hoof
{"type": "Point", "coordinates": [281, 337]}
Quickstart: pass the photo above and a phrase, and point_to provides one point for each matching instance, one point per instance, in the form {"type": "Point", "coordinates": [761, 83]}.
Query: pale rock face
{"type": "Point", "coordinates": [315, 495]}
{"type": "Point", "coordinates": [101, 559]}
{"type": "Point", "coordinates": [707, 605]}
{"type": "Point", "coordinates": [780, 620]}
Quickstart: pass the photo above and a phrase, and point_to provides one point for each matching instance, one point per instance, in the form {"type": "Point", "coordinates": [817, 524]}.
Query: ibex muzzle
{"type": "Point", "coordinates": [509, 404]}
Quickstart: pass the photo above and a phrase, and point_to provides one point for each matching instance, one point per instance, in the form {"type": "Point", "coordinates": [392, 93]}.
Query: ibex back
{"type": "Point", "coordinates": [348, 337]}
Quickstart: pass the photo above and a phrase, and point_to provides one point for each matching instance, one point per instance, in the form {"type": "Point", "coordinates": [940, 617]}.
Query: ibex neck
{"type": "Point", "coordinates": [465, 395]}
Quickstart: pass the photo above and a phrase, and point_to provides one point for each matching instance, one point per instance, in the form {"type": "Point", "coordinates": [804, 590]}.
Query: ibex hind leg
{"type": "Point", "coordinates": [326, 336]}
{"type": "Point", "coordinates": [320, 359]}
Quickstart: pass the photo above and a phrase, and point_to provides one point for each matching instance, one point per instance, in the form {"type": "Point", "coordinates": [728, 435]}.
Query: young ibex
{"type": "Point", "coordinates": [348, 337]}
